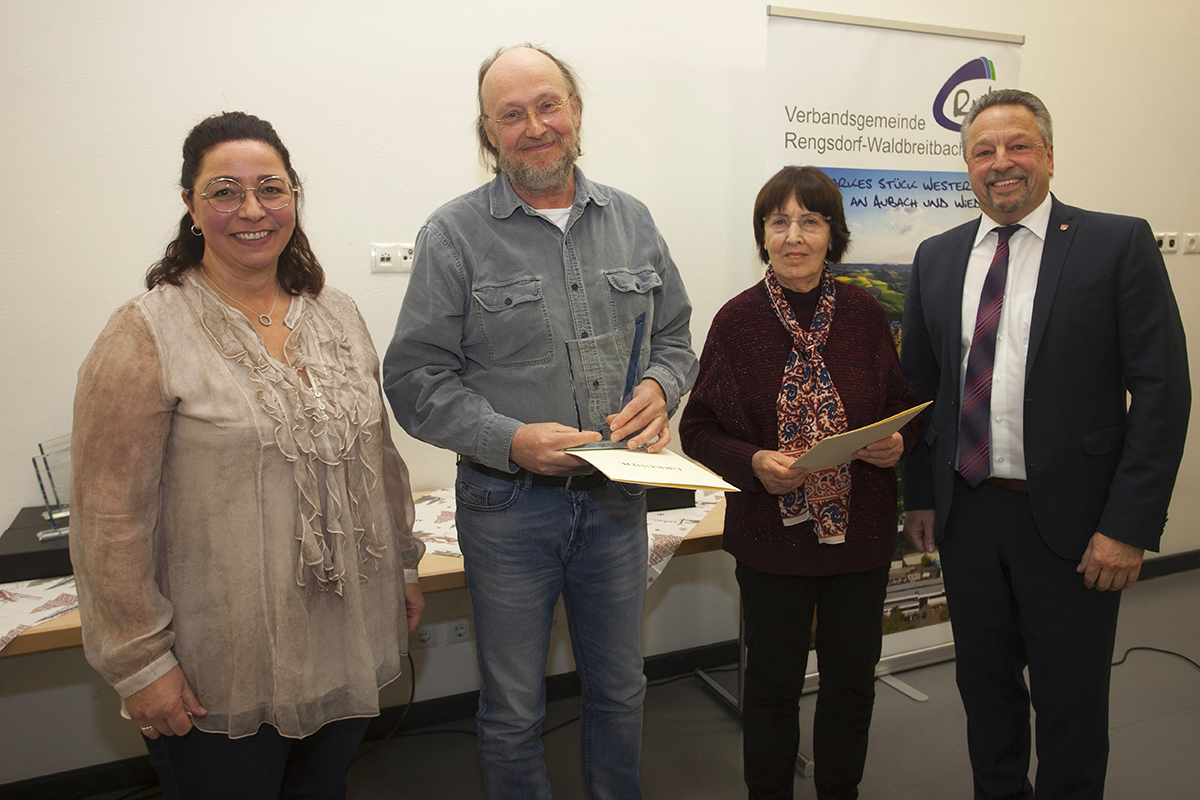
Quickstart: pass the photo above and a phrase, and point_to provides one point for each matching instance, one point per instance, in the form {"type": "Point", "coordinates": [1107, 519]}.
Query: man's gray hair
{"type": "Point", "coordinates": [487, 152]}
{"type": "Point", "coordinates": [1010, 97]}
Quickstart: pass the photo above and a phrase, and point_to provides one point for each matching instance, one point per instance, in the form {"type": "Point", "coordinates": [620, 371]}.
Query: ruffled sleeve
{"type": "Point", "coordinates": [396, 485]}
{"type": "Point", "coordinates": [121, 423]}
{"type": "Point", "coordinates": [399, 496]}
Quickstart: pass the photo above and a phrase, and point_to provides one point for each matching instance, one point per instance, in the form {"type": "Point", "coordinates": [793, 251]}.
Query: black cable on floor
{"type": "Point", "coordinates": [730, 668]}
{"type": "Point", "coordinates": [136, 792]}
{"type": "Point", "coordinates": [412, 693]}
{"type": "Point", "coordinates": [571, 721]}
{"type": "Point", "coordinates": [1155, 650]}
{"type": "Point", "coordinates": [672, 679]}
{"type": "Point", "coordinates": [407, 734]}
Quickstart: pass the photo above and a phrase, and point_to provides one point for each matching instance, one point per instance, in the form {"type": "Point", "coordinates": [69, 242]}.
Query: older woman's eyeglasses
{"type": "Point", "coordinates": [547, 110]}
{"type": "Point", "coordinates": [227, 195]}
{"type": "Point", "coordinates": [809, 223]}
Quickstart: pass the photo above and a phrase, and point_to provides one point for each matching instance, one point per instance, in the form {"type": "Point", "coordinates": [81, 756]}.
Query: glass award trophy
{"type": "Point", "coordinates": [604, 372]}
{"type": "Point", "coordinates": [52, 465]}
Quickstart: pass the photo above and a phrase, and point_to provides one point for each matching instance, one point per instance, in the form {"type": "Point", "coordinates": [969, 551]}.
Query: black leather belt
{"type": "Point", "coordinates": [574, 483]}
{"type": "Point", "coordinates": [1010, 484]}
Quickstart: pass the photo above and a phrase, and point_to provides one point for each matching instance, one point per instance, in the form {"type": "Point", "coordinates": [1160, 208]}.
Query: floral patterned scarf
{"type": "Point", "coordinates": [809, 410]}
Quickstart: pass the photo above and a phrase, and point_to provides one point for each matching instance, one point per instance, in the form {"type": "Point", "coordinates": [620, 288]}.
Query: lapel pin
{"type": "Point", "coordinates": [1063, 227]}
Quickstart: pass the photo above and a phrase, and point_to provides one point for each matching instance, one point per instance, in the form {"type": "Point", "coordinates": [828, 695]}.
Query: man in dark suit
{"type": "Point", "coordinates": [1041, 484]}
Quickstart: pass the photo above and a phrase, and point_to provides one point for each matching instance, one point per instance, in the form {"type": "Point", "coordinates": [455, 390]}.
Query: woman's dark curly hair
{"type": "Point", "coordinates": [298, 271]}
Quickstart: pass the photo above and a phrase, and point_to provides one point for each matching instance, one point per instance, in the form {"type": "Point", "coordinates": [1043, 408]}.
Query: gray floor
{"type": "Point", "coordinates": [692, 745]}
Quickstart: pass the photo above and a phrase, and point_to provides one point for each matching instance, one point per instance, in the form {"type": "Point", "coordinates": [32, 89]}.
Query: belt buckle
{"type": "Point", "coordinates": [589, 481]}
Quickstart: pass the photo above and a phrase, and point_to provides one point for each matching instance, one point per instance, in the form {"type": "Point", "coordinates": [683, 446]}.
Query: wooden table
{"type": "Point", "coordinates": [438, 574]}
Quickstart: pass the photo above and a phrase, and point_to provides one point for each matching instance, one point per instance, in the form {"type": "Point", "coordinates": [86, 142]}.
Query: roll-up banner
{"type": "Point", "coordinates": [878, 105]}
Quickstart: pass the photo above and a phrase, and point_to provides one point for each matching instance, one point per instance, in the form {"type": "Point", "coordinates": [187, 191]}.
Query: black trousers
{"type": "Point", "coordinates": [265, 766]}
{"type": "Point", "coordinates": [778, 612]}
{"type": "Point", "coordinates": [1015, 603]}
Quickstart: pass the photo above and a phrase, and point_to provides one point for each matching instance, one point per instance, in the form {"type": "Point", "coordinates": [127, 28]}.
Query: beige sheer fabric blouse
{"type": "Point", "coordinates": [235, 519]}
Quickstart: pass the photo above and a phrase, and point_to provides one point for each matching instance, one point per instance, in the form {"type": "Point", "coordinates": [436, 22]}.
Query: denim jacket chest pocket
{"type": "Point", "coordinates": [631, 292]}
{"type": "Point", "coordinates": [515, 322]}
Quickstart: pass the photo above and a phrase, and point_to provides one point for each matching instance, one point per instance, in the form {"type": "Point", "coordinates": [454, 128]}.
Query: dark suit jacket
{"type": "Point", "coordinates": [1104, 322]}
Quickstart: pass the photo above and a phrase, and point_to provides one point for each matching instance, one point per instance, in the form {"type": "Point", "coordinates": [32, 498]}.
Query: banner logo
{"type": "Point", "coordinates": [980, 68]}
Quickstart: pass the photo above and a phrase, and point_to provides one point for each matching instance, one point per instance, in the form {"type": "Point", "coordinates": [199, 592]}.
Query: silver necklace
{"type": "Point", "coordinates": [264, 319]}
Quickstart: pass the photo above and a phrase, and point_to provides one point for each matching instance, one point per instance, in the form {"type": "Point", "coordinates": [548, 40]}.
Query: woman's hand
{"type": "Point", "coordinates": [414, 605]}
{"type": "Point", "coordinates": [165, 707]}
{"type": "Point", "coordinates": [774, 469]}
{"type": "Point", "coordinates": [884, 453]}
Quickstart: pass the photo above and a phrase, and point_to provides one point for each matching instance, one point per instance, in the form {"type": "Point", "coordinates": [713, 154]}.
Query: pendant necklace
{"type": "Point", "coordinates": [264, 319]}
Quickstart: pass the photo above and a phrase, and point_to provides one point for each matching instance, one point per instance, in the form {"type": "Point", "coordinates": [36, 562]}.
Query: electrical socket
{"type": "Point", "coordinates": [385, 257]}
{"type": "Point", "coordinates": [424, 636]}
{"type": "Point", "coordinates": [391, 257]}
{"type": "Point", "coordinates": [1167, 242]}
{"type": "Point", "coordinates": [460, 630]}
{"type": "Point", "coordinates": [1191, 243]}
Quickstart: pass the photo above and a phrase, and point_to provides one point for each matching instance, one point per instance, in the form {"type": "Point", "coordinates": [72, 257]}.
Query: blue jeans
{"type": "Point", "coordinates": [523, 546]}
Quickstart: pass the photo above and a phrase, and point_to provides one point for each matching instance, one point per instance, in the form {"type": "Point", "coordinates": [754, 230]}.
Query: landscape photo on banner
{"type": "Point", "coordinates": [878, 107]}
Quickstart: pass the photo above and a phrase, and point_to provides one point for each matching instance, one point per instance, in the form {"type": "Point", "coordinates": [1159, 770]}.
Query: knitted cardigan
{"type": "Point", "coordinates": [731, 414]}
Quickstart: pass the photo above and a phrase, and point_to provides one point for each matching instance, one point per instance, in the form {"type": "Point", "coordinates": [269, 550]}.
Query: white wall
{"type": "Point", "coordinates": [375, 101]}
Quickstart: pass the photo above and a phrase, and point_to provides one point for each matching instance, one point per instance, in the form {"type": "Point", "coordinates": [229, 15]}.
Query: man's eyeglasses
{"type": "Point", "coordinates": [809, 223]}
{"type": "Point", "coordinates": [547, 110]}
{"type": "Point", "coordinates": [227, 195]}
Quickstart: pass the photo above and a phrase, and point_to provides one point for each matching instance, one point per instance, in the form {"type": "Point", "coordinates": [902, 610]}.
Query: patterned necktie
{"type": "Point", "coordinates": [974, 440]}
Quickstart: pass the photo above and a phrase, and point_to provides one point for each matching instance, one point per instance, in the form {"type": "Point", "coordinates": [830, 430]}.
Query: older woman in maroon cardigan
{"type": "Point", "coordinates": [797, 357]}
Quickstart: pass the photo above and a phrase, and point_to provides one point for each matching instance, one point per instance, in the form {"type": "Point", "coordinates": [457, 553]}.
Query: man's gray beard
{"type": "Point", "coordinates": [1012, 204]}
{"type": "Point", "coordinates": [540, 180]}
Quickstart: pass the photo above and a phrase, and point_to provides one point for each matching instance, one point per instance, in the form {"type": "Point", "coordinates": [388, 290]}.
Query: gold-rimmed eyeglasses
{"type": "Point", "coordinates": [227, 195]}
{"type": "Point", "coordinates": [547, 111]}
{"type": "Point", "coordinates": [809, 223]}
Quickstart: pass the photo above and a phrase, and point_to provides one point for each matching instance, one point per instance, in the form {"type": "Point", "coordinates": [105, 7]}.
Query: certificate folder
{"type": "Point", "coordinates": [840, 448]}
{"type": "Point", "coordinates": [663, 468]}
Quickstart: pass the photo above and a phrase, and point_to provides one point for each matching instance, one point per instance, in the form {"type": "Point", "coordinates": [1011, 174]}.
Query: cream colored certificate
{"type": "Point", "coordinates": [840, 448]}
{"type": "Point", "coordinates": [663, 468]}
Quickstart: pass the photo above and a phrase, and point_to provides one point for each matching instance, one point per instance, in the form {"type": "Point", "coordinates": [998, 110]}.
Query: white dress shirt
{"type": "Point", "coordinates": [1012, 335]}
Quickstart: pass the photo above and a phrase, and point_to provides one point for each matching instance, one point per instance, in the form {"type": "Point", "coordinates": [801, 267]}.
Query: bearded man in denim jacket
{"type": "Point", "coordinates": [507, 279]}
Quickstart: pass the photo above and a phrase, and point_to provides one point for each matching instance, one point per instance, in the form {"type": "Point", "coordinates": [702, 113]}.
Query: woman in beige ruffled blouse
{"type": "Point", "coordinates": [241, 521]}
